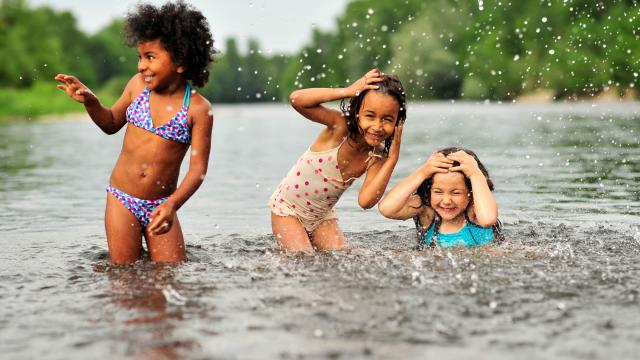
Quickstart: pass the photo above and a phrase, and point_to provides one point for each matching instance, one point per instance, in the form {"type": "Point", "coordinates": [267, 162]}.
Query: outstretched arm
{"type": "Point", "coordinates": [198, 165]}
{"type": "Point", "coordinates": [109, 120]}
{"type": "Point", "coordinates": [401, 203]}
{"type": "Point", "coordinates": [308, 102]}
{"type": "Point", "coordinates": [485, 208]}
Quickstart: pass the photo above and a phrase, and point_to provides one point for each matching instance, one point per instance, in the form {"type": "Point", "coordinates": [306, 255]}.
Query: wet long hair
{"type": "Point", "coordinates": [350, 107]}
{"type": "Point", "coordinates": [424, 192]}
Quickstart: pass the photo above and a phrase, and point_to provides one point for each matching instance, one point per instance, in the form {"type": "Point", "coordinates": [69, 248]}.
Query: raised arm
{"type": "Point", "coordinates": [379, 173]}
{"type": "Point", "coordinates": [485, 208]}
{"type": "Point", "coordinates": [308, 102]}
{"type": "Point", "coordinates": [109, 120]}
{"type": "Point", "coordinates": [198, 165]}
{"type": "Point", "coordinates": [401, 202]}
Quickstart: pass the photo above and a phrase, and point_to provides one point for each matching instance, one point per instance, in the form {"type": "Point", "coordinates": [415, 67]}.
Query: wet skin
{"type": "Point", "coordinates": [450, 198]}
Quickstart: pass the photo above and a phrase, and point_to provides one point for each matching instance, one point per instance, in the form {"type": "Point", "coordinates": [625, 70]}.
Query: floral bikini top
{"type": "Point", "coordinates": [176, 129]}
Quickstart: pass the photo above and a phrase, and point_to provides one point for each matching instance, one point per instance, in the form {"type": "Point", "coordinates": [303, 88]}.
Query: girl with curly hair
{"type": "Point", "coordinates": [163, 117]}
{"type": "Point", "coordinates": [364, 137]}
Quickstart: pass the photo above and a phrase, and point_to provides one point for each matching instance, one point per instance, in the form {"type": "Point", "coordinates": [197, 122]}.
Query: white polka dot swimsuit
{"type": "Point", "coordinates": [311, 188]}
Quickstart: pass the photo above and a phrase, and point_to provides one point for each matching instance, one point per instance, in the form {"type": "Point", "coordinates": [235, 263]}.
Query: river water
{"type": "Point", "coordinates": [565, 284]}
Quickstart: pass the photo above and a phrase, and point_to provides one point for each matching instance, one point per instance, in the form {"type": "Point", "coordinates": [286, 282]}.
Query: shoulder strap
{"type": "Point", "coordinates": [187, 96]}
{"type": "Point", "coordinates": [372, 157]}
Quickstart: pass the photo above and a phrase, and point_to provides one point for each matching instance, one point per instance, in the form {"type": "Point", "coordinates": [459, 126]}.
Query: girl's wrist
{"type": "Point", "coordinates": [478, 174]}
{"type": "Point", "coordinates": [91, 103]}
{"type": "Point", "coordinates": [347, 92]}
{"type": "Point", "coordinates": [425, 171]}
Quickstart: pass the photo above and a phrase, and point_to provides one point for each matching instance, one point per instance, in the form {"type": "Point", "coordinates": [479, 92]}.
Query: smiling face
{"type": "Point", "coordinates": [377, 117]}
{"type": "Point", "coordinates": [157, 67]}
{"type": "Point", "coordinates": [449, 195]}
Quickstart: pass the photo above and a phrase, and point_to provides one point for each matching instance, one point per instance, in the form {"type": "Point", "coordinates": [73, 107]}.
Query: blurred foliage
{"type": "Point", "coordinates": [440, 49]}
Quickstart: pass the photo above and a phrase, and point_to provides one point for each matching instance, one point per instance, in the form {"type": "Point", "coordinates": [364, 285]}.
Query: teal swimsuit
{"type": "Point", "coordinates": [470, 235]}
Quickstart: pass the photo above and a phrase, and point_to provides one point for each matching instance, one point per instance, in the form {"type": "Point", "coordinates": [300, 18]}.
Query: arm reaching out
{"type": "Point", "coordinates": [108, 120]}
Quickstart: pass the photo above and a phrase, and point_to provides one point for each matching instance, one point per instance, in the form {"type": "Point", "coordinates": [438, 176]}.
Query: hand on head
{"type": "Point", "coordinates": [394, 149]}
{"type": "Point", "coordinates": [366, 82]}
{"type": "Point", "coordinates": [437, 163]}
{"type": "Point", "coordinates": [75, 89]}
{"type": "Point", "coordinates": [468, 164]}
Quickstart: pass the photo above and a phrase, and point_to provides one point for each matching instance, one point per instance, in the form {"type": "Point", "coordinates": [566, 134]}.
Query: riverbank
{"type": "Point", "coordinates": [40, 101]}
{"type": "Point", "coordinates": [44, 101]}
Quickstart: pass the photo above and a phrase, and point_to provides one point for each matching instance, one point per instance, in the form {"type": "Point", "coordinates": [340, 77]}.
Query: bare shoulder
{"type": "Point", "coordinates": [331, 136]}
{"type": "Point", "coordinates": [200, 108]}
{"type": "Point", "coordinates": [135, 86]}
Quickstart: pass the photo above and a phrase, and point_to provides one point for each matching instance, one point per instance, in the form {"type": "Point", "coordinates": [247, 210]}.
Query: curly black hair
{"type": "Point", "coordinates": [390, 85]}
{"type": "Point", "coordinates": [182, 30]}
{"type": "Point", "coordinates": [424, 190]}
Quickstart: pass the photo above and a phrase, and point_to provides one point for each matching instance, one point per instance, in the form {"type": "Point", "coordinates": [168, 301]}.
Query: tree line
{"type": "Point", "coordinates": [440, 49]}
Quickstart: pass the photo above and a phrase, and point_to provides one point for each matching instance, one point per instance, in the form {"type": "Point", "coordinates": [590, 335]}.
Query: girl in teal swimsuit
{"type": "Point", "coordinates": [450, 200]}
{"type": "Point", "coordinates": [163, 117]}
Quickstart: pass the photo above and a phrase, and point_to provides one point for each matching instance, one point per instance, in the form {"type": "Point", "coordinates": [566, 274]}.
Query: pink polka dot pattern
{"type": "Point", "coordinates": [311, 189]}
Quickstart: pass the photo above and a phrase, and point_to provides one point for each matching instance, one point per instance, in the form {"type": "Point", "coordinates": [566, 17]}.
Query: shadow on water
{"type": "Point", "coordinates": [144, 303]}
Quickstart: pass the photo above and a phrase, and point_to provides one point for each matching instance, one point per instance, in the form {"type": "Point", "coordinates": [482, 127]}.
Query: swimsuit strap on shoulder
{"type": "Point", "coordinates": [187, 96]}
{"type": "Point", "coordinates": [372, 157]}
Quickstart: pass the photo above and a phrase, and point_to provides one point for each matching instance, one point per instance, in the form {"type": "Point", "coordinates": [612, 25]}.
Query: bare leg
{"type": "Point", "coordinates": [168, 247]}
{"type": "Point", "coordinates": [328, 236]}
{"type": "Point", "coordinates": [290, 234]}
{"type": "Point", "coordinates": [124, 232]}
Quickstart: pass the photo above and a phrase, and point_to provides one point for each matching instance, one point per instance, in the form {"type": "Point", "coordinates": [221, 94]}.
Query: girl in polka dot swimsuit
{"type": "Point", "coordinates": [364, 137]}
{"type": "Point", "coordinates": [163, 117]}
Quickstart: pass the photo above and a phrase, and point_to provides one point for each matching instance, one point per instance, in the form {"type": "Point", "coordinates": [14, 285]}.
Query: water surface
{"type": "Point", "coordinates": [564, 285]}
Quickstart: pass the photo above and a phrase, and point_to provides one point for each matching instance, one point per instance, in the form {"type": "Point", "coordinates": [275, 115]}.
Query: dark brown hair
{"type": "Point", "coordinates": [424, 190]}
{"type": "Point", "coordinates": [391, 86]}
